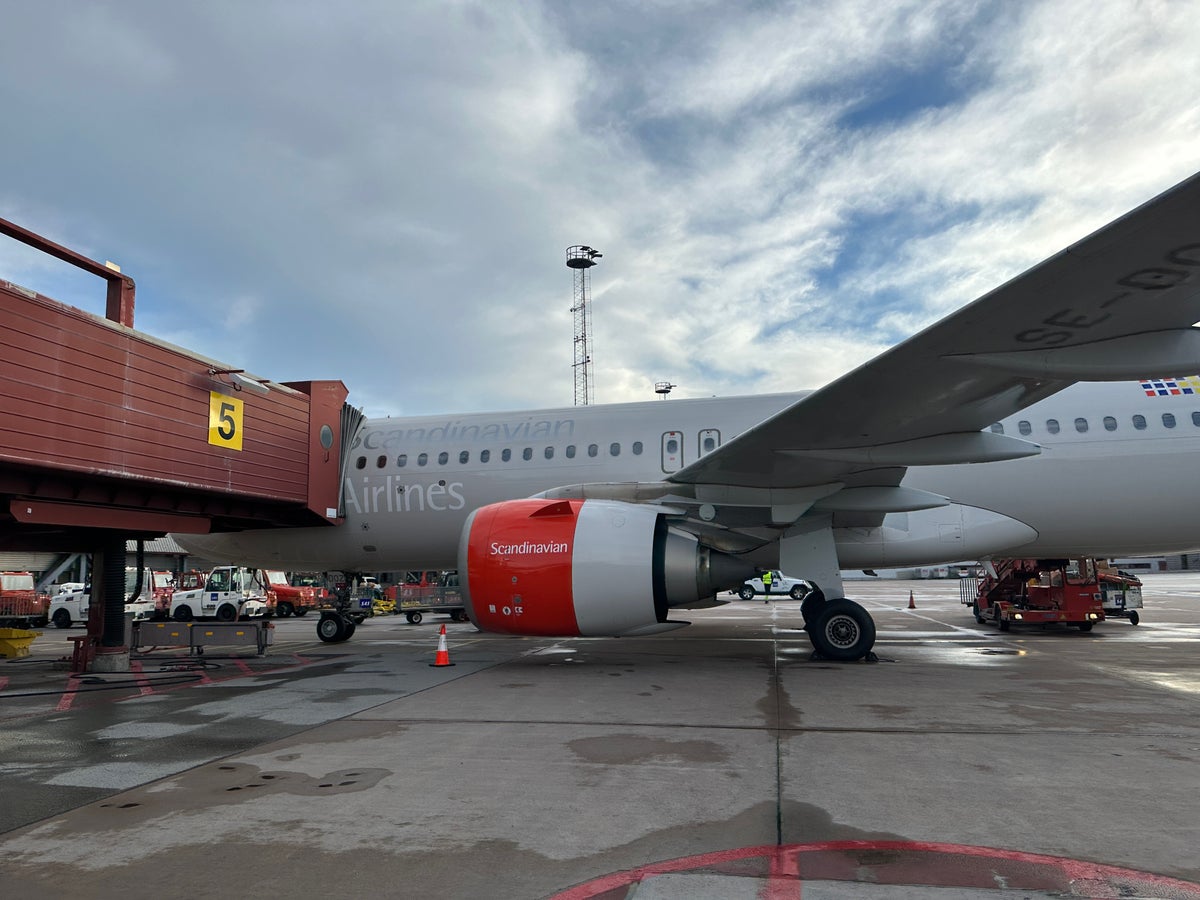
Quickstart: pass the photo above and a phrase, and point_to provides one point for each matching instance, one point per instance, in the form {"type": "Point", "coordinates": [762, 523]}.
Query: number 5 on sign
{"type": "Point", "coordinates": [224, 421]}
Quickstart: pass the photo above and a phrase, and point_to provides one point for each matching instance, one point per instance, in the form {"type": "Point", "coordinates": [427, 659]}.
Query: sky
{"type": "Point", "coordinates": [383, 193]}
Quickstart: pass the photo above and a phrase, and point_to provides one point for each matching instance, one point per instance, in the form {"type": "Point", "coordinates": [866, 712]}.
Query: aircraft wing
{"type": "Point", "coordinates": [1118, 305]}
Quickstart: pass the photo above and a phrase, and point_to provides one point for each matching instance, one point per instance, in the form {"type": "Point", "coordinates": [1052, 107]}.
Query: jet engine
{"type": "Point", "coordinates": [592, 568]}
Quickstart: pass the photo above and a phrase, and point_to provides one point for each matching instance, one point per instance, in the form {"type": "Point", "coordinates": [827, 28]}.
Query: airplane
{"type": "Point", "coordinates": [970, 440]}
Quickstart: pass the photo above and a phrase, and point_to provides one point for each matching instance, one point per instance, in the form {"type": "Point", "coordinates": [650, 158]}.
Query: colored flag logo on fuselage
{"type": "Point", "coordinates": [1171, 387]}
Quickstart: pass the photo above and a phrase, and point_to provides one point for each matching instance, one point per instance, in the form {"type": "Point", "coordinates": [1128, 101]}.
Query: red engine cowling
{"type": "Point", "coordinates": [569, 568]}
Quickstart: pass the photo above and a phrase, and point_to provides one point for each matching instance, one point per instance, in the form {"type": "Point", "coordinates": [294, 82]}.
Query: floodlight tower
{"type": "Point", "coordinates": [581, 258]}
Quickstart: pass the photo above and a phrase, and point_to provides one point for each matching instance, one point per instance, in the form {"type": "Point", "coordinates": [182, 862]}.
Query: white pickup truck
{"type": "Point", "coordinates": [781, 586]}
{"type": "Point", "coordinates": [71, 606]}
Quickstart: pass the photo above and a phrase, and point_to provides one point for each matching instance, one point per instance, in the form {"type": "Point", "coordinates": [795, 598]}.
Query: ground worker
{"type": "Point", "coordinates": [767, 585]}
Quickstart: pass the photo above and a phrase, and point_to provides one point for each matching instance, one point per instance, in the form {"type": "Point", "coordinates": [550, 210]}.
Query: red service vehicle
{"type": "Point", "coordinates": [289, 599]}
{"type": "Point", "coordinates": [21, 606]}
{"type": "Point", "coordinates": [1039, 592]}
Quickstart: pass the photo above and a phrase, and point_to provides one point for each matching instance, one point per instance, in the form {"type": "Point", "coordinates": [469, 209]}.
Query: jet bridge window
{"type": "Point", "coordinates": [1081, 425]}
{"type": "Point", "coordinates": [1168, 420]}
{"type": "Point", "coordinates": [1139, 422]}
{"type": "Point", "coordinates": [1024, 427]}
{"type": "Point", "coordinates": [1110, 424]}
{"type": "Point", "coordinates": [1052, 426]}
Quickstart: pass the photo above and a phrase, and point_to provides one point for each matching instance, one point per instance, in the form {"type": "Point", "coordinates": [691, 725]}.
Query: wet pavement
{"type": "Point", "coordinates": [720, 760]}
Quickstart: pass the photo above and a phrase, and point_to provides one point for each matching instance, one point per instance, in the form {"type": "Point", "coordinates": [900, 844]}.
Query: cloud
{"type": "Point", "coordinates": [383, 194]}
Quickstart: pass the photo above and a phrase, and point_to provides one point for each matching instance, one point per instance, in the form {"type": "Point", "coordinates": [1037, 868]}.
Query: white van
{"type": "Point", "coordinates": [69, 607]}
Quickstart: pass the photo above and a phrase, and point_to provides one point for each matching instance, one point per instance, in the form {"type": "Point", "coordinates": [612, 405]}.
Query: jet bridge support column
{"type": "Point", "coordinates": [112, 654]}
{"type": "Point", "coordinates": [807, 551]}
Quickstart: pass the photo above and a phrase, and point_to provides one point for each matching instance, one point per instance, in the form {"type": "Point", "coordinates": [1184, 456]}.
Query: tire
{"type": "Point", "coordinates": [810, 608]}
{"type": "Point", "coordinates": [332, 629]}
{"type": "Point", "coordinates": [414, 618]}
{"type": "Point", "coordinates": [284, 610]}
{"type": "Point", "coordinates": [1086, 626]}
{"type": "Point", "coordinates": [746, 593]}
{"type": "Point", "coordinates": [798, 592]}
{"type": "Point", "coordinates": [1134, 618]}
{"type": "Point", "coordinates": [182, 614]}
{"type": "Point", "coordinates": [62, 619]}
{"type": "Point", "coordinates": [1004, 624]}
{"type": "Point", "coordinates": [975, 609]}
{"type": "Point", "coordinates": [227, 613]}
{"type": "Point", "coordinates": [357, 619]}
{"type": "Point", "coordinates": [350, 626]}
{"type": "Point", "coordinates": [300, 612]}
{"type": "Point", "coordinates": [844, 631]}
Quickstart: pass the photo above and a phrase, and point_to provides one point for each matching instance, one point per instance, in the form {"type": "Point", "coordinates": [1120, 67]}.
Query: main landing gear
{"type": "Point", "coordinates": [839, 629]}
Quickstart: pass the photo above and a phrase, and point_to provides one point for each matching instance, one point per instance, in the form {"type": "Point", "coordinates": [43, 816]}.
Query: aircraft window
{"type": "Point", "coordinates": [549, 453]}
{"type": "Point", "coordinates": [614, 449]}
{"type": "Point", "coordinates": [1168, 420]}
{"type": "Point", "coordinates": [997, 429]}
{"type": "Point", "coordinates": [672, 446]}
{"type": "Point", "coordinates": [527, 454]}
{"type": "Point", "coordinates": [570, 451]}
{"type": "Point", "coordinates": [1052, 426]}
{"type": "Point", "coordinates": [505, 454]}
{"type": "Point", "coordinates": [1110, 424]}
{"type": "Point", "coordinates": [637, 448]}
{"type": "Point", "coordinates": [1139, 422]}
{"type": "Point", "coordinates": [360, 463]}
{"type": "Point", "coordinates": [1024, 427]}
{"type": "Point", "coordinates": [1081, 425]}
{"type": "Point", "coordinates": [1196, 419]}
{"type": "Point", "coordinates": [422, 459]}
{"type": "Point", "coordinates": [485, 455]}
{"type": "Point", "coordinates": [464, 457]}
{"type": "Point", "coordinates": [381, 462]}
{"type": "Point", "coordinates": [402, 460]}
{"type": "Point", "coordinates": [593, 449]}
{"type": "Point", "coordinates": [443, 458]}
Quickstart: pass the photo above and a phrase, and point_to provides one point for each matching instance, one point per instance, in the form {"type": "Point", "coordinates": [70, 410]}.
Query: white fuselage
{"type": "Point", "coordinates": [410, 483]}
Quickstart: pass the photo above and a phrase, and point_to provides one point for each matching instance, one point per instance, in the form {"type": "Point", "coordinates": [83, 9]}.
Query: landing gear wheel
{"type": "Point", "coordinates": [1134, 618]}
{"type": "Point", "coordinates": [810, 608]}
{"type": "Point", "coordinates": [844, 631]}
{"type": "Point", "coordinates": [746, 592]}
{"type": "Point", "coordinates": [414, 618]}
{"type": "Point", "coordinates": [332, 629]}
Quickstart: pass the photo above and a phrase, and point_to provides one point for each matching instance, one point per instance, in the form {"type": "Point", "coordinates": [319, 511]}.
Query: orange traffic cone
{"type": "Point", "coordinates": [911, 603]}
{"type": "Point", "coordinates": [443, 655]}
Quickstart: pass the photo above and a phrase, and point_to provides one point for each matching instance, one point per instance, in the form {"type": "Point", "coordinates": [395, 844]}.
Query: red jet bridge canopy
{"type": "Point", "coordinates": [103, 429]}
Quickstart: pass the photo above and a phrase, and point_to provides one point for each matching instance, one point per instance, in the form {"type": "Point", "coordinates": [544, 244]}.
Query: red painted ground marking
{"type": "Point", "coordinates": [246, 670]}
{"type": "Point", "coordinates": [68, 696]}
{"type": "Point", "coordinates": [142, 680]}
{"type": "Point", "coordinates": [902, 862]}
{"type": "Point", "coordinates": [3, 682]}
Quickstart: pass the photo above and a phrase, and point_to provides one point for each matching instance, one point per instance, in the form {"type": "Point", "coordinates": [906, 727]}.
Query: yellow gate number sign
{"type": "Point", "coordinates": [224, 421]}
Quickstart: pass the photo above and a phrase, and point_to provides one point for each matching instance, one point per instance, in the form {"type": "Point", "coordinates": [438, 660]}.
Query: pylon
{"type": "Point", "coordinates": [443, 655]}
{"type": "Point", "coordinates": [911, 604]}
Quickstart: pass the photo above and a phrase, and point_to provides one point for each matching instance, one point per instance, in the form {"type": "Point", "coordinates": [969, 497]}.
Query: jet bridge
{"type": "Point", "coordinates": [109, 434]}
